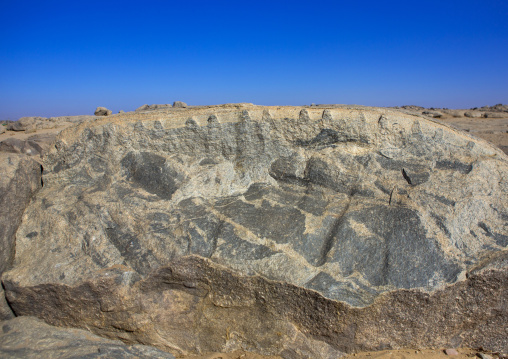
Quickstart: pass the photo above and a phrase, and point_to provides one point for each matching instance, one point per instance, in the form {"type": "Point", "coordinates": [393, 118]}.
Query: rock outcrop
{"type": "Point", "coordinates": [473, 114]}
{"type": "Point", "coordinates": [28, 337]}
{"type": "Point", "coordinates": [305, 233]}
{"type": "Point", "coordinates": [102, 111]}
{"type": "Point", "coordinates": [152, 107]}
{"type": "Point", "coordinates": [179, 104]}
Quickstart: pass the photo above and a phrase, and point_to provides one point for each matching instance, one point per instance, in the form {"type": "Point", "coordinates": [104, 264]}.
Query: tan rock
{"type": "Point", "coordinates": [300, 232]}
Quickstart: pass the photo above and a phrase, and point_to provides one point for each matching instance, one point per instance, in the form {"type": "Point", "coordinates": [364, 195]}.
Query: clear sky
{"type": "Point", "coordinates": [68, 57]}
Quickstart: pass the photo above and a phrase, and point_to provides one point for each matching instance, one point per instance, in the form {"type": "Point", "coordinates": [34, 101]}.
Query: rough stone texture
{"type": "Point", "coordinates": [433, 114]}
{"type": "Point", "coordinates": [5, 309]}
{"type": "Point", "coordinates": [497, 108]}
{"type": "Point", "coordinates": [14, 145]}
{"type": "Point", "coordinates": [20, 179]}
{"type": "Point", "coordinates": [152, 107]}
{"type": "Point", "coordinates": [297, 232]}
{"type": "Point", "coordinates": [102, 111]}
{"type": "Point", "coordinates": [473, 114]}
{"type": "Point", "coordinates": [14, 126]}
{"type": "Point", "coordinates": [72, 119]}
{"type": "Point", "coordinates": [495, 114]}
{"type": "Point", "coordinates": [454, 113]}
{"type": "Point", "coordinates": [2, 129]}
{"type": "Point", "coordinates": [179, 104]}
{"type": "Point", "coordinates": [28, 337]}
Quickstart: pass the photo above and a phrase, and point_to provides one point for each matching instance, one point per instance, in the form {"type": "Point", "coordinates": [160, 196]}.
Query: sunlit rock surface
{"type": "Point", "coordinates": [281, 230]}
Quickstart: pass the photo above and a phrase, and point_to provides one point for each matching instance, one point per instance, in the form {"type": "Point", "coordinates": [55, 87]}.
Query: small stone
{"type": "Point", "coordinates": [451, 352]}
{"type": "Point", "coordinates": [484, 356]}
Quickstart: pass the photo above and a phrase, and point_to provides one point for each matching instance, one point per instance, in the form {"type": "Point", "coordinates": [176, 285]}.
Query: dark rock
{"type": "Point", "coordinates": [28, 337]}
{"type": "Point", "coordinates": [20, 180]}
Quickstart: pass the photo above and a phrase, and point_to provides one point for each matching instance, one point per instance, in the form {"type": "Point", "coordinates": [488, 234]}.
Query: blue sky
{"type": "Point", "coordinates": [68, 57]}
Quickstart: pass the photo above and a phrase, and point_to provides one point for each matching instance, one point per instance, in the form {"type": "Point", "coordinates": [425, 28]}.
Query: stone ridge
{"type": "Point", "coordinates": [358, 209]}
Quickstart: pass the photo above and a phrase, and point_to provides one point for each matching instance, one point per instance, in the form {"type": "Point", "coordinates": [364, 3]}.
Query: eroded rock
{"type": "Point", "coordinates": [28, 337]}
{"type": "Point", "coordinates": [296, 232]}
{"type": "Point", "coordinates": [20, 180]}
{"type": "Point", "coordinates": [102, 111]}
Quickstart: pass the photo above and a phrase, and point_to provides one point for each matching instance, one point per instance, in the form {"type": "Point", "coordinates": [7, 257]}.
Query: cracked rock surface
{"type": "Point", "coordinates": [300, 232]}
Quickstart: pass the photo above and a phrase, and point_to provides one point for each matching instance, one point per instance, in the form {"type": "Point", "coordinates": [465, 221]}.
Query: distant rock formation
{"type": "Point", "coordinates": [299, 232]}
{"type": "Point", "coordinates": [102, 111]}
{"type": "Point", "coordinates": [152, 107]}
{"type": "Point", "coordinates": [179, 104]}
{"type": "Point", "coordinates": [20, 180]}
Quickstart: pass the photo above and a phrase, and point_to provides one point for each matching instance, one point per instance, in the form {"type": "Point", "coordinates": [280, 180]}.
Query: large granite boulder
{"type": "Point", "coordinates": [305, 233]}
{"type": "Point", "coordinates": [28, 337]}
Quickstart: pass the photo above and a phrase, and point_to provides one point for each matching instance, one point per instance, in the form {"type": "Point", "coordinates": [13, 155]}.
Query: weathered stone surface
{"type": "Point", "coordinates": [5, 309]}
{"type": "Point", "coordinates": [451, 352]}
{"type": "Point", "coordinates": [473, 114]}
{"type": "Point", "coordinates": [495, 114]}
{"type": "Point", "coordinates": [102, 111]}
{"type": "Point", "coordinates": [297, 232]}
{"type": "Point", "coordinates": [179, 104]}
{"type": "Point", "coordinates": [28, 337]}
{"type": "Point", "coordinates": [15, 126]}
{"type": "Point", "coordinates": [433, 114]}
{"type": "Point", "coordinates": [72, 119]}
{"type": "Point", "coordinates": [20, 179]}
{"type": "Point", "coordinates": [27, 147]}
{"type": "Point", "coordinates": [152, 107]}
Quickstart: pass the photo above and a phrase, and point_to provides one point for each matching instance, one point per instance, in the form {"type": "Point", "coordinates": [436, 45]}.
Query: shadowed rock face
{"type": "Point", "coordinates": [28, 337]}
{"type": "Point", "coordinates": [20, 179]}
{"type": "Point", "coordinates": [300, 233]}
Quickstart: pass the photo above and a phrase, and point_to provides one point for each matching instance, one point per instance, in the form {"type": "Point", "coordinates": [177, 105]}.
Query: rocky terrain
{"type": "Point", "coordinates": [298, 232]}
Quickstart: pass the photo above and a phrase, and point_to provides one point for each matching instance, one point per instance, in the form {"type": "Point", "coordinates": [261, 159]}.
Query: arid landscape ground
{"type": "Point", "coordinates": [36, 138]}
